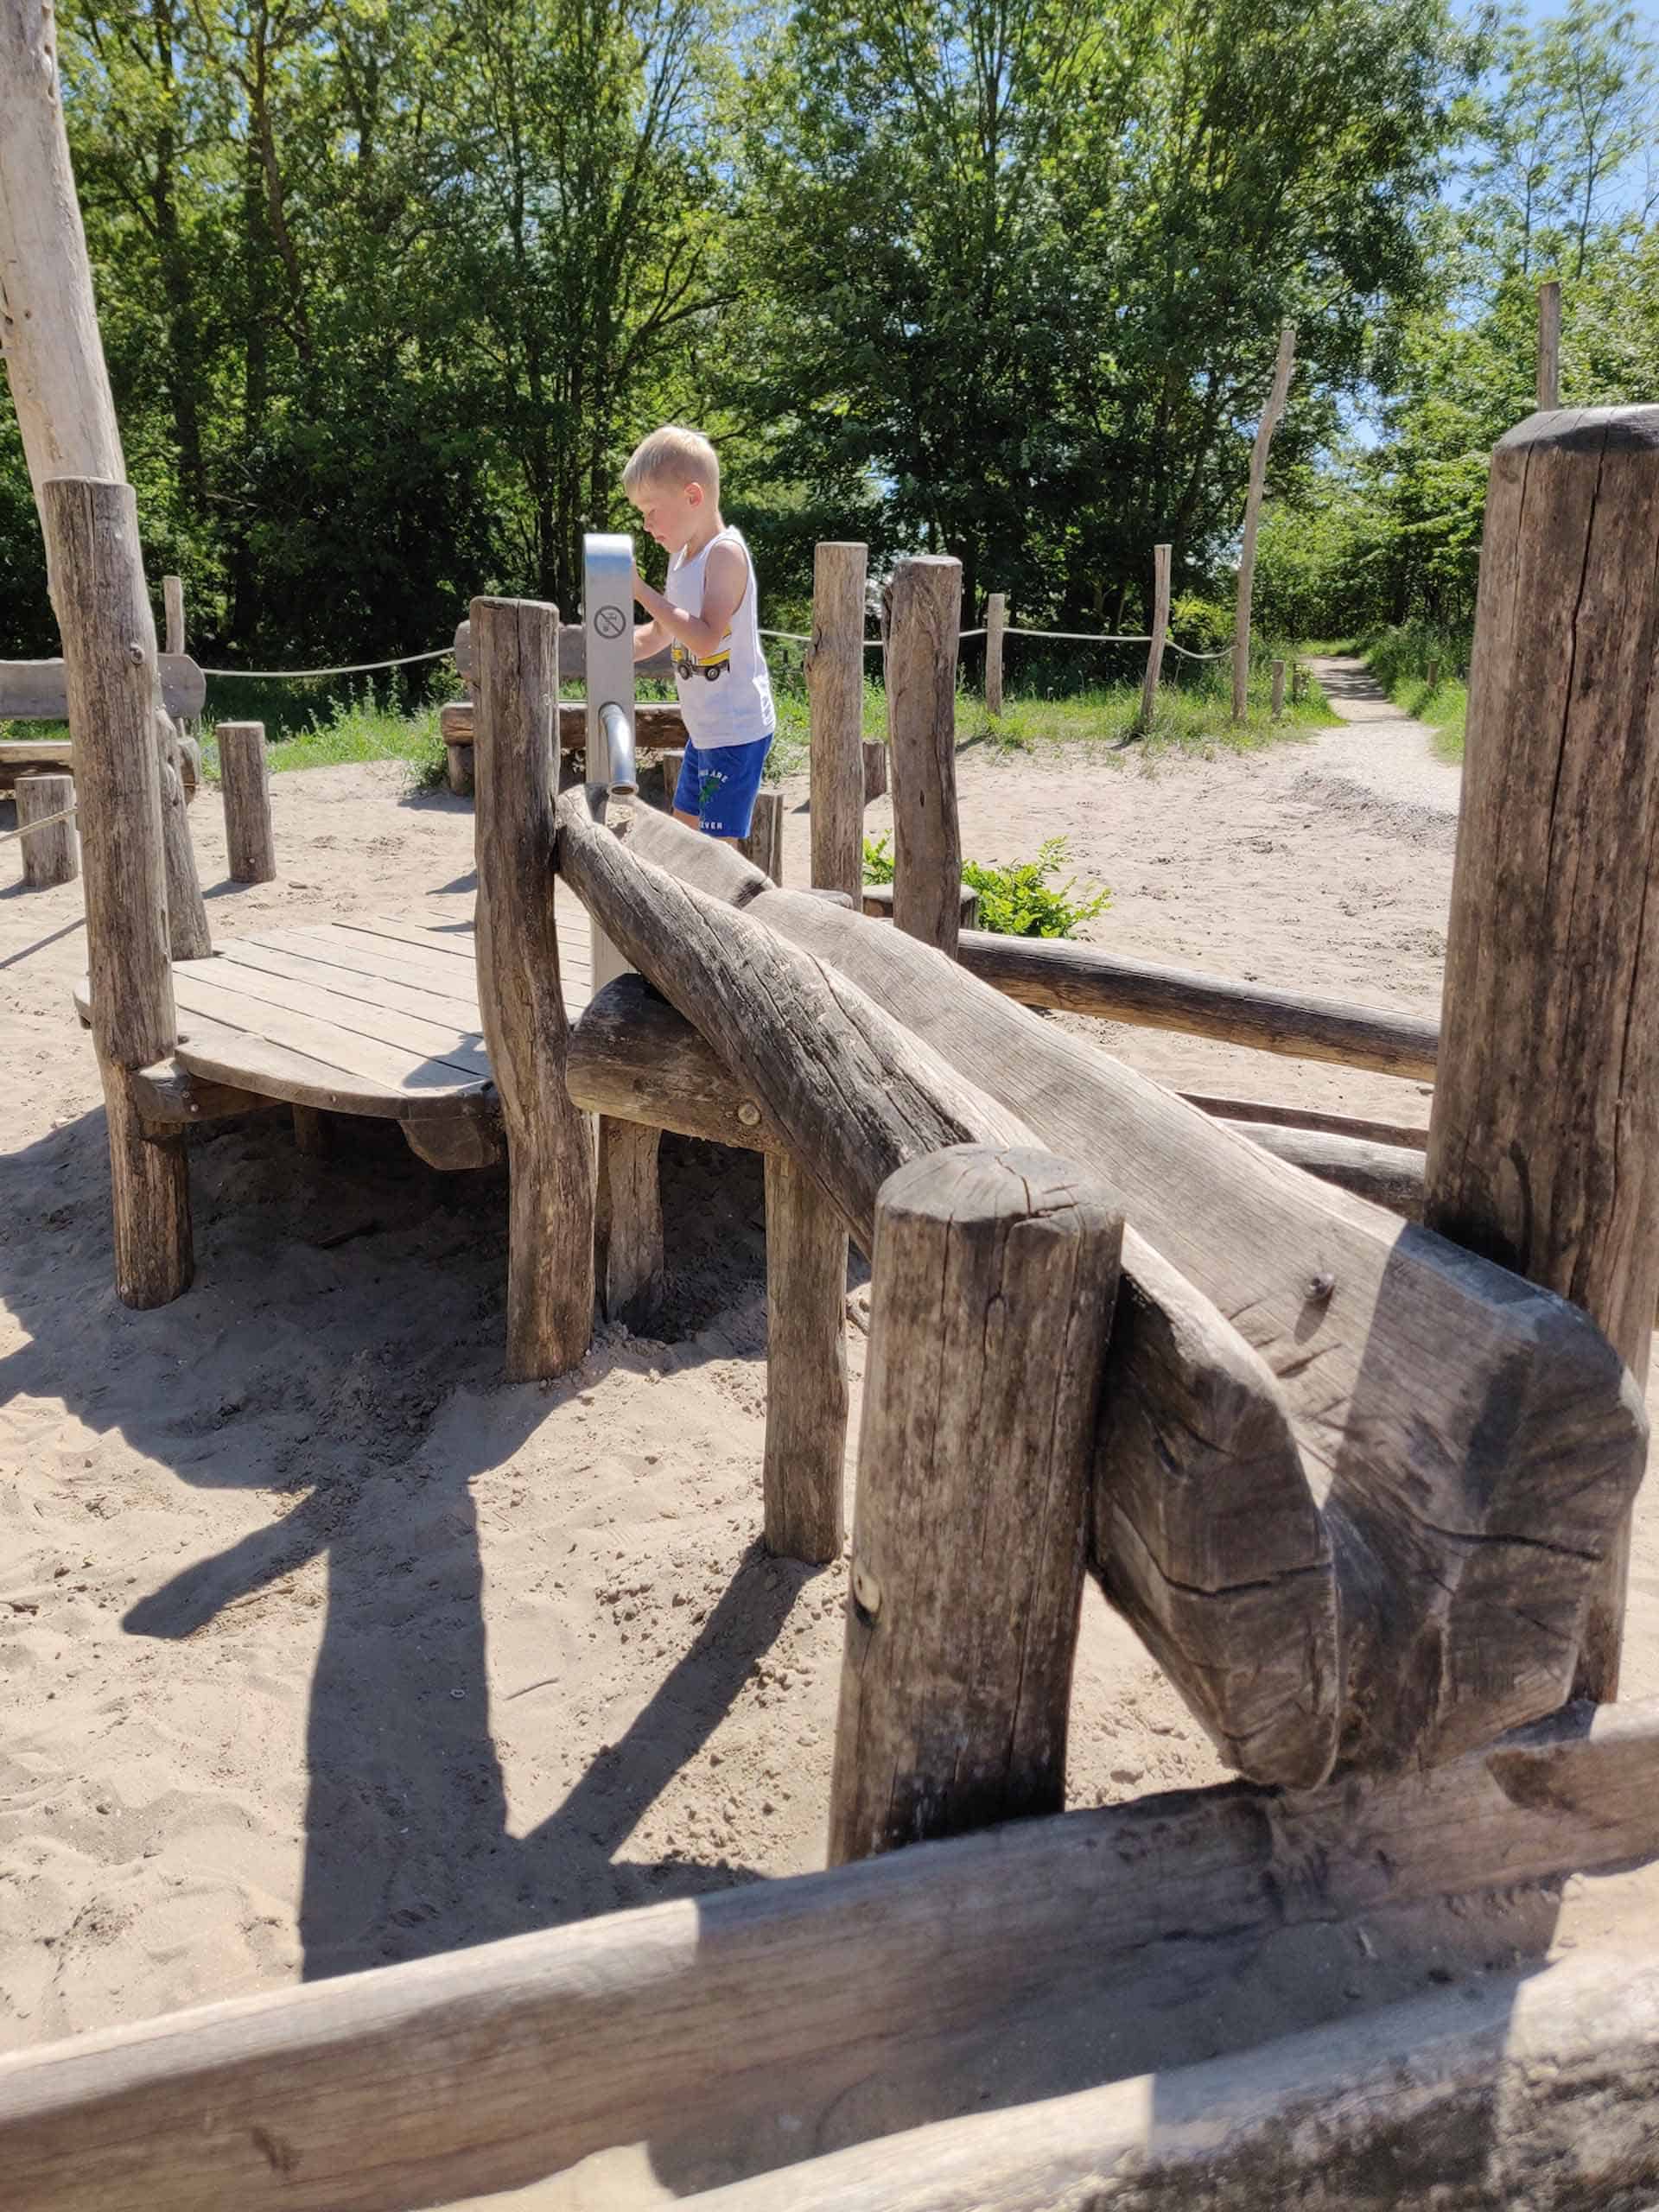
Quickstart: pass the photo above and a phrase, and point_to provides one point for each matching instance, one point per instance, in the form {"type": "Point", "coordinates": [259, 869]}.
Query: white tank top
{"type": "Point", "coordinates": [724, 696]}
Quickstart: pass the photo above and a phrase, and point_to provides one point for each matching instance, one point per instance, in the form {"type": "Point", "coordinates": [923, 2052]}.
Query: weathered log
{"type": "Point", "coordinates": [99, 581]}
{"type": "Point", "coordinates": [657, 722]}
{"type": "Point", "coordinates": [631, 1056]}
{"type": "Point", "coordinates": [455, 1144]}
{"type": "Point", "coordinates": [1160, 556]}
{"type": "Point", "coordinates": [169, 1098]}
{"type": "Point", "coordinates": [1549, 346]}
{"type": "Point", "coordinates": [314, 1132]}
{"type": "Point", "coordinates": [1280, 1113]}
{"type": "Point", "coordinates": [1081, 979]}
{"type": "Point", "coordinates": [1389, 1175]}
{"type": "Point", "coordinates": [1478, 1434]}
{"type": "Point", "coordinates": [863, 1099]}
{"type": "Point", "coordinates": [997, 623]}
{"type": "Point", "coordinates": [484, 2070]}
{"type": "Point", "coordinates": [627, 1221]}
{"type": "Point", "coordinates": [551, 1232]}
{"type": "Point", "coordinates": [244, 773]}
{"type": "Point", "coordinates": [1283, 363]}
{"type": "Point", "coordinates": [875, 770]}
{"type": "Point", "coordinates": [995, 1274]}
{"type": "Point", "coordinates": [835, 683]}
{"type": "Point", "coordinates": [923, 606]}
{"type": "Point", "coordinates": [458, 768]}
{"type": "Point", "coordinates": [173, 611]}
{"type": "Point", "coordinates": [190, 767]}
{"type": "Point", "coordinates": [876, 899]}
{"type": "Point", "coordinates": [1278, 699]}
{"type": "Point", "coordinates": [50, 848]}
{"type": "Point", "coordinates": [806, 1366]}
{"type": "Point", "coordinates": [187, 934]}
{"type": "Point", "coordinates": [573, 659]}
{"type": "Point", "coordinates": [765, 843]}
{"type": "Point", "coordinates": [1544, 1139]}
{"type": "Point", "coordinates": [33, 691]}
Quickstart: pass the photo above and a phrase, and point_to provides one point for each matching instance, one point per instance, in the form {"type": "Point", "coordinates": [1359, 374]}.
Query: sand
{"type": "Point", "coordinates": [323, 1647]}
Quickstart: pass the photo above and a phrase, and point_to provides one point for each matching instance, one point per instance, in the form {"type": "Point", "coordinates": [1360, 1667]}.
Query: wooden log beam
{"type": "Point", "coordinates": [658, 722]}
{"type": "Point", "coordinates": [860, 1102]}
{"type": "Point", "coordinates": [1283, 363]}
{"type": "Point", "coordinates": [995, 1274]}
{"type": "Point", "coordinates": [1081, 979]}
{"type": "Point", "coordinates": [1284, 1114]}
{"type": "Point", "coordinates": [1161, 558]}
{"type": "Point", "coordinates": [876, 899]}
{"type": "Point", "coordinates": [169, 1098]}
{"type": "Point", "coordinates": [835, 685]}
{"type": "Point", "coordinates": [923, 614]}
{"type": "Point", "coordinates": [550, 1231]}
{"type": "Point", "coordinates": [1543, 1147]}
{"type": "Point", "coordinates": [245, 774]}
{"type": "Point", "coordinates": [485, 2070]}
{"type": "Point", "coordinates": [50, 847]}
{"type": "Point", "coordinates": [1475, 1443]}
{"type": "Point", "coordinates": [807, 1397]}
{"type": "Point", "coordinates": [1389, 1175]}
{"type": "Point", "coordinates": [34, 690]}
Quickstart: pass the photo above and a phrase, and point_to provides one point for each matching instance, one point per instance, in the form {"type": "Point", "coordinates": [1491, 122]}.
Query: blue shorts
{"type": "Point", "coordinates": [718, 783]}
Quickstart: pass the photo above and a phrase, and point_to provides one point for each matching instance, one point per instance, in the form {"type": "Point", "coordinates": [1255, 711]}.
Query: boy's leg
{"type": "Point", "coordinates": [685, 789]}
{"type": "Point", "coordinates": [727, 781]}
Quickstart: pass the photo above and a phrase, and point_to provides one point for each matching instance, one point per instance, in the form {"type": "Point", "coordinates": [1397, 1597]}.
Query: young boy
{"type": "Point", "coordinates": [706, 617]}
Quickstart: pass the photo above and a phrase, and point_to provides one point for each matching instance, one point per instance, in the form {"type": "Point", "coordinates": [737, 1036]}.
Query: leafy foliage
{"type": "Point", "coordinates": [1021, 899]}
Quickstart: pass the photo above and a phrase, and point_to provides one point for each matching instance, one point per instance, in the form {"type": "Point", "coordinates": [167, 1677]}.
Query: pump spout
{"type": "Point", "coordinates": [618, 732]}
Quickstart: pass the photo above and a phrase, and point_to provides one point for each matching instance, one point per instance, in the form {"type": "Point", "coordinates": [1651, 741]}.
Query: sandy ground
{"type": "Point", "coordinates": [324, 1647]}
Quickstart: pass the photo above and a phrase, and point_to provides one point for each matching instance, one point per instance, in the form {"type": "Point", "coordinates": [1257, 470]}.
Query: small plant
{"type": "Point", "coordinates": [1019, 900]}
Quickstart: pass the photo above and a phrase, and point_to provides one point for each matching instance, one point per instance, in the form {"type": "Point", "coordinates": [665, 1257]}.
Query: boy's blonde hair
{"type": "Point", "coordinates": [673, 458]}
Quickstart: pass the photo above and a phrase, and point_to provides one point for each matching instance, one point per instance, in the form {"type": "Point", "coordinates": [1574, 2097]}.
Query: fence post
{"type": "Point", "coordinates": [1433, 676]}
{"type": "Point", "coordinates": [102, 606]}
{"type": "Point", "coordinates": [1549, 345]}
{"type": "Point", "coordinates": [994, 1277]}
{"type": "Point", "coordinates": [550, 1145]}
{"type": "Point", "coordinates": [997, 620]}
{"type": "Point", "coordinates": [924, 614]}
{"type": "Point", "coordinates": [1543, 1147]}
{"type": "Point", "coordinates": [1278, 689]}
{"type": "Point", "coordinates": [173, 608]}
{"type": "Point", "coordinates": [1159, 631]}
{"type": "Point", "coordinates": [245, 776]}
{"type": "Point", "coordinates": [834, 683]}
{"type": "Point", "coordinates": [50, 854]}
{"type": "Point", "coordinates": [764, 846]}
{"type": "Point", "coordinates": [1270, 413]}
{"type": "Point", "coordinates": [806, 1366]}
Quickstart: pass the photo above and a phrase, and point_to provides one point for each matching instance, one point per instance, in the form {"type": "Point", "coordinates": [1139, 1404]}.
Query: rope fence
{"type": "Point", "coordinates": [1072, 637]}
{"type": "Point", "coordinates": [29, 827]}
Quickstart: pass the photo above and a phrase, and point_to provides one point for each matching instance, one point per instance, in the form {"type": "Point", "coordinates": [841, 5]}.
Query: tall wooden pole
{"type": "Point", "coordinates": [550, 1145]}
{"type": "Point", "coordinates": [1265, 429]}
{"type": "Point", "coordinates": [1543, 1148]}
{"type": "Point", "coordinates": [1549, 345]}
{"type": "Point", "coordinates": [245, 774]}
{"type": "Point", "coordinates": [996, 1275]}
{"type": "Point", "coordinates": [834, 683]}
{"type": "Point", "coordinates": [996, 622]}
{"type": "Point", "coordinates": [173, 607]}
{"type": "Point", "coordinates": [924, 614]}
{"type": "Point", "coordinates": [806, 1365]}
{"type": "Point", "coordinates": [1160, 631]}
{"type": "Point", "coordinates": [54, 363]}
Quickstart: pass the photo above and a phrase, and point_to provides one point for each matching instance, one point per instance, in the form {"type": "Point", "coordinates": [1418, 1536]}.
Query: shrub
{"type": "Point", "coordinates": [1019, 900]}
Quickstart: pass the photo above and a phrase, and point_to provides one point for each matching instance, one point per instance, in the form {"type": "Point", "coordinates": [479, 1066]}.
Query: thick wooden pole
{"type": "Point", "coordinates": [173, 608]}
{"type": "Point", "coordinates": [109, 655]}
{"type": "Point", "coordinates": [995, 1274]}
{"type": "Point", "coordinates": [550, 1229]}
{"type": "Point", "coordinates": [1549, 346]}
{"type": "Point", "coordinates": [834, 683]}
{"type": "Point", "coordinates": [996, 622]}
{"type": "Point", "coordinates": [764, 846]}
{"type": "Point", "coordinates": [244, 773]}
{"type": "Point", "coordinates": [1161, 555]}
{"type": "Point", "coordinates": [924, 614]}
{"type": "Point", "coordinates": [1543, 1149]}
{"type": "Point", "coordinates": [1270, 413]}
{"type": "Point", "coordinates": [51, 853]}
{"type": "Point", "coordinates": [628, 1222]}
{"type": "Point", "coordinates": [806, 1365]}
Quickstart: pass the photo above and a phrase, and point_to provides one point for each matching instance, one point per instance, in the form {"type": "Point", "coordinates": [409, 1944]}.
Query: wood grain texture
{"type": "Point", "coordinates": [627, 1221]}
{"type": "Point", "coordinates": [458, 768]}
{"type": "Point", "coordinates": [1081, 979]}
{"type": "Point", "coordinates": [632, 1057]}
{"type": "Point", "coordinates": [188, 934]}
{"type": "Point", "coordinates": [169, 1097]}
{"type": "Point", "coordinates": [1544, 1140]}
{"type": "Point", "coordinates": [707, 2021]}
{"type": "Point", "coordinates": [1389, 1175]}
{"type": "Point", "coordinates": [806, 1366]}
{"type": "Point", "coordinates": [835, 686]}
{"type": "Point", "coordinates": [1153, 677]}
{"type": "Point", "coordinates": [764, 846]}
{"type": "Point", "coordinates": [658, 722]}
{"type": "Point", "coordinates": [313, 1132]}
{"type": "Point", "coordinates": [1285, 1113]}
{"type": "Point", "coordinates": [1548, 386]}
{"type": "Point", "coordinates": [172, 613]}
{"type": "Point", "coordinates": [876, 899]}
{"type": "Point", "coordinates": [922, 613]}
{"type": "Point", "coordinates": [997, 623]}
{"type": "Point", "coordinates": [245, 774]}
{"type": "Point", "coordinates": [150, 1194]}
{"type": "Point", "coordinates": [454, 1144]}
{"type": "Point", "coordinates": [1474, 1439]}
{"type": "Point", "coordinates": [994, 1276]}
{"type": "Point", "coordinates": [50, 852]}
{"type": "Point", "coordinates": [876, 779]}
{"type": "Point", "coordinates": [1277, 701]}
{"type": "Point", "coordinates": [1283, 363]}
{"type": "Point", "coordinates": [36, 690]}
{"type": "Point", "coordinates": [550, 1234]}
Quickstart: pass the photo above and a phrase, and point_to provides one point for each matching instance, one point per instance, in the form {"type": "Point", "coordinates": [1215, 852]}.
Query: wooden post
{"type": "Point", "coordinates": [173, 608]}
{"type": "Point", "coordinates": [1543, 1148]}
{"type": "Point", "coordinates": [188, 934]}
{"type": "Point", "coordinates": [875, 776]}
{"type": "Point", "coordinates": [245, 773]}
{"type": "Point", "coordinates": [551, 1222]}
{"type": "Point", "coordinates": [1270, 413]}
{"type": "Point", "coordinates": [1278, 689]}
{"type": "Point", "coordinates": [806, 1366]}
{"type": "Point", "coordinates": [1433, 676]}
{"type": "Point", "coordinates": [996, 621]}
{"type": "Point", "coordinates": [834, 683]}
{"type": "Point", "coordinates": [50, 854]}
{"type": "Point", "coordinates": [1298, 679]}
{"type": "Point", "coordinates": [1549, 345]}
{"type": "Point", "coordinates": [103, 611]}
{"type": "Point", "coordinates": [1161, 555]}
{"type": "Point", "coordinates": [995, 1274]}
{"type": "Point", "coordinates": [923, 614]}
{"type": "Point", "coordinates": [628, 1222]}
{"type": "Point", "coordinates": [764, 846]}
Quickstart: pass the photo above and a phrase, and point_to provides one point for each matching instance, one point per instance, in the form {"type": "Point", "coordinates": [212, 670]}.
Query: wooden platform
{"type": "Point", "coordinates": [370, 1015]}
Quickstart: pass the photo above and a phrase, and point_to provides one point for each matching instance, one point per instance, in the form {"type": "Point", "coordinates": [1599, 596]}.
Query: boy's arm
{"type": "Point", "coordinates": [724, 584]}
{"type": "Point", "coordinates": [647, 639]}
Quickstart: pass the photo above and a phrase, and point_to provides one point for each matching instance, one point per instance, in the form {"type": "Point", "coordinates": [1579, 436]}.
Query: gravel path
{"type": "Point", "coordinates": [1380, 752]}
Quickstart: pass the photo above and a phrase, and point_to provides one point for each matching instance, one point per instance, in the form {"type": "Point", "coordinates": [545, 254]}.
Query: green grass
{"type": "Point", "coordinates": [1401, 657]}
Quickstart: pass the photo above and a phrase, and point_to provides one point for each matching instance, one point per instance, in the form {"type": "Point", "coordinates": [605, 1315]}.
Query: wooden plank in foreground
{"type": "Point", "coordinates": [751, 2019]}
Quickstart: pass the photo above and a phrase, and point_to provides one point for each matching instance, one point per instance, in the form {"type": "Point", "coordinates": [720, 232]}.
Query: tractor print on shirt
{"type": "Point", "coordinates": [688, 663]}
